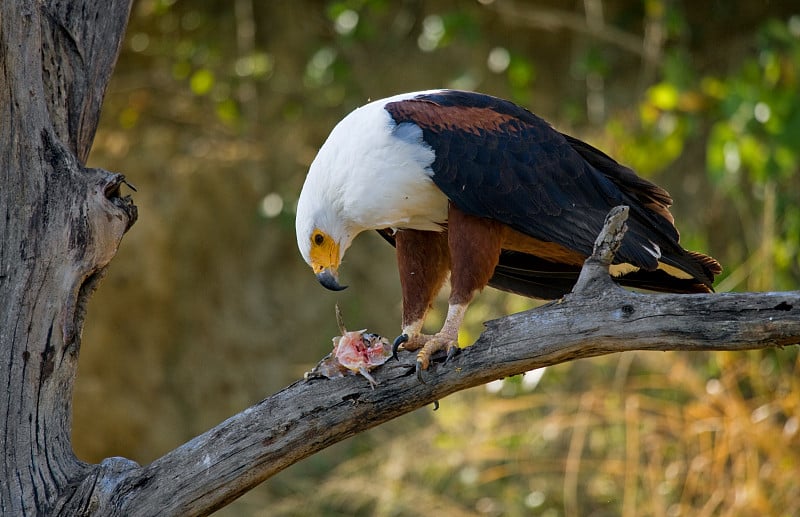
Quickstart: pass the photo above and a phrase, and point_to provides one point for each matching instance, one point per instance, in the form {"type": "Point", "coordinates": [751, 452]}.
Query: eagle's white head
{"type": "Point", "coordinates": [369, 174]}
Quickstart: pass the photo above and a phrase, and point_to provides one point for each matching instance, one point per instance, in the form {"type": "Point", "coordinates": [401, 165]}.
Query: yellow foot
{"type": "Point", "coordinates": [410, 343]}
{"type": "Point", "coordinates": [434, 344]}
{"type": "Point", "coordinates": [427, 345]}
{"type": "Point", "coordinates": [446, 339]}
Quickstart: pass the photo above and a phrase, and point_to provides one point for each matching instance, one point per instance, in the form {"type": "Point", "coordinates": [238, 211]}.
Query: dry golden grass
{"type": "Point", "coordinates": [661, 434]}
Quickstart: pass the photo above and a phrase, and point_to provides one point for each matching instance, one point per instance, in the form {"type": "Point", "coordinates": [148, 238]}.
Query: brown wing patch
{"type": "Point", "coordinates": [517, 241]}
{"type": "Point", "coordinates": [426, 113]}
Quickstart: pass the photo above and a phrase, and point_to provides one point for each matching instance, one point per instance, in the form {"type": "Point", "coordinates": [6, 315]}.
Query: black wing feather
{"type": "Point", "coordinates": [496, 160]}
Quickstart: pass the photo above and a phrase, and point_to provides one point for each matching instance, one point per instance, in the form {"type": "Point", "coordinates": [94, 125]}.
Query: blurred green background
{"type": "Point", "coordinates": [214, 113]}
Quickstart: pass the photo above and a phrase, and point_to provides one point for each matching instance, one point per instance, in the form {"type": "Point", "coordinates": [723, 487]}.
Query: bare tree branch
{"type": "Point", "coordinates": [551, 19]}
{"type": "Point", "coordinates": [598, 318]}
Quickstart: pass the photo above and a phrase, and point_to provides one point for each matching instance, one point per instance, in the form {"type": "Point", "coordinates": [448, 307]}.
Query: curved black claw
{"type": "Point", "coordinates": [419, 372]}
{"type": "Point", "coordinates": [452, 352]}
{"type": "Point", "coordinates": [399, 340]}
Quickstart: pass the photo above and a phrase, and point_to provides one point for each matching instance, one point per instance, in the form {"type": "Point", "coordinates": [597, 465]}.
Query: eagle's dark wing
{"type": "Point", "coordinates": [496, 160]}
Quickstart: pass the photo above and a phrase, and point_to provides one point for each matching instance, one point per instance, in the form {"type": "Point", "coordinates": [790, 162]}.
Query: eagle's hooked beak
{"type": "Point", "coordinates": [324, 258]}
{"type": "Point", "coordinates": [327, 277]}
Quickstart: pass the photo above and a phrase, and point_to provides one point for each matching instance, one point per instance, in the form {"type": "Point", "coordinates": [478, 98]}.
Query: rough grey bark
{"type": "Point", "coordinates": [61, 223]}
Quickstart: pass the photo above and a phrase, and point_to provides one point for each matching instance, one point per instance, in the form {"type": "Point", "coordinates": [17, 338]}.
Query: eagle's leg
{"type": "Point", "coordinates": [423, 261]}
{"type": "Point", "coordinates": [446, 339]}
{"type": "Point", "coordinates": [474, 247]}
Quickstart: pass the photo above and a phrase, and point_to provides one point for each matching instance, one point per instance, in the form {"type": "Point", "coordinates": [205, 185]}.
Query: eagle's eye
{"type": "Point", "coordinates": [318, 239]}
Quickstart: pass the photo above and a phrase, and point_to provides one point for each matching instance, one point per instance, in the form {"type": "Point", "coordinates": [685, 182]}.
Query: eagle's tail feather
{"type": "Point", "coordinates": [531, 276]}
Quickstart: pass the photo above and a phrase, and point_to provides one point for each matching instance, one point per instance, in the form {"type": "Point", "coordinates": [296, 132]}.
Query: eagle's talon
{"type": "Point", "coordinates": [419, 368]}
{"type": "Point", "coordinates": [452, 351]}
{"type": "Point", "coordinates": [399, 340]}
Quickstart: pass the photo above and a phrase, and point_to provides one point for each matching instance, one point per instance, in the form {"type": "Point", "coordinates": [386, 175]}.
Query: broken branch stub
{"type": "Point", "coordinates": [595, 276]}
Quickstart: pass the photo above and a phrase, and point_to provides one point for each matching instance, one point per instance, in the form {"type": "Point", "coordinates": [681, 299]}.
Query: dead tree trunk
{"type": "Point", "coordinates": [60, 225]}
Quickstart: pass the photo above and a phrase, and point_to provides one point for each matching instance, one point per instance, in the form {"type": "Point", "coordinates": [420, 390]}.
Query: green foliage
{"type": "Point", "coordinates": [759, 112]}
{"type": "Point", "coordinates": [752, 148]}
{"type": "Point", "coordinates": [749, 118]}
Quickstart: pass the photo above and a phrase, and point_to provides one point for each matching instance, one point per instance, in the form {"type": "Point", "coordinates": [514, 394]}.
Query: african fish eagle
{"type": "Point", "coordinates": [476, 186]}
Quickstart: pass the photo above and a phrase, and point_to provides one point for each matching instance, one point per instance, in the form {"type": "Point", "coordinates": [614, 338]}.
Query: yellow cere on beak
{"type": "Point", "coordinates": [324, 257]}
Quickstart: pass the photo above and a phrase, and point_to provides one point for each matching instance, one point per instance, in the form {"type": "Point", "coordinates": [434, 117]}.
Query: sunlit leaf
{"type": "Point", "coordinates": [663, 96]}
{"type": "Point", "coordinates": [201, 81]}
